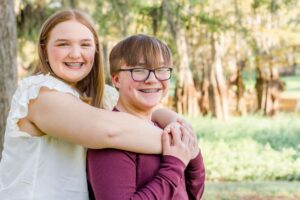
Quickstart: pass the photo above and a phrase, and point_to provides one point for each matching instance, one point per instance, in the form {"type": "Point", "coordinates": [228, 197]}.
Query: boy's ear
{"type": "Point", "coordinates": [115, 80]}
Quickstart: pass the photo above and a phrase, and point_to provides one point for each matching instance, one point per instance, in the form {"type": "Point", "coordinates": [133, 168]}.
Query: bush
{"type": "Point", "coordinates": [250, 148]}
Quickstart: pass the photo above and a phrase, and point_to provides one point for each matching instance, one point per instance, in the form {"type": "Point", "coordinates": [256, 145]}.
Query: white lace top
{"type": "Point", "coordinates": [42, 168]}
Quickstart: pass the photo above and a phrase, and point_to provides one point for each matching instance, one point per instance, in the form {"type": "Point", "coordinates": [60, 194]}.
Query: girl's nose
{"type": "Point", "coordinates": [75, 52]}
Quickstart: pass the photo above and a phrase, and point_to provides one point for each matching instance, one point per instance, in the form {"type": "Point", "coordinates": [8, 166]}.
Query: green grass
{"type": "Point", "coordinates": [292, 85]}
{"type": "Point", "coordinates": [252, 190]}
{"type": "Point", "coordinates": [251, 148]}
{"type": "Point", "coordinates": [280, 132]}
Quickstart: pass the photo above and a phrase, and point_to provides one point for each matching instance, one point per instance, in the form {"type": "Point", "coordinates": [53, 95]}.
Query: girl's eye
{"type": "Point", "coordinates": [86, 45]}
{"type": "Point", "coordinates": [62, 44]}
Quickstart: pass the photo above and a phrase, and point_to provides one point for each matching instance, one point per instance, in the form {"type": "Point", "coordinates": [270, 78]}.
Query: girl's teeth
{"type": "Point", "coordinates": [150, 90]}
{"type": "Point", "coordinates": [73, 64]}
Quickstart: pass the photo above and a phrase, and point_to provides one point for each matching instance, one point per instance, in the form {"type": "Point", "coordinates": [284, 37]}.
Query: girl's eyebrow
{"type": "Point", "coordinates": [66, 40]}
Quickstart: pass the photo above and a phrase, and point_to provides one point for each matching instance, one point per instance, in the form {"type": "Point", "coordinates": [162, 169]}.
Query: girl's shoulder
{"type": "Point", "coordinates": [34, 83]}
{"type": "Point", "coordinates": [29, 89]}
{"type": "Point", "coordinates": [110, 97]}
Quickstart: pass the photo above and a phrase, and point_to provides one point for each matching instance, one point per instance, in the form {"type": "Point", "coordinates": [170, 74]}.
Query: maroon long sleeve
{"type": "Point", "coordinates": [195, 178]}
{"type": "Point", "coordinates": [115, 174]}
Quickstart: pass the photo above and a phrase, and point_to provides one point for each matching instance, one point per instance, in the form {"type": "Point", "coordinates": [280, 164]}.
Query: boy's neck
{"type": "Point", "coordinates": [143, 114]}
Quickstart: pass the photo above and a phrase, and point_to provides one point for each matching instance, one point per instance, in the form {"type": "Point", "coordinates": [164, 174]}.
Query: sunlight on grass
{"type": "Point", "coordinates": [250, 148]}
{"type": "Point", "coordinates": [233, 190]}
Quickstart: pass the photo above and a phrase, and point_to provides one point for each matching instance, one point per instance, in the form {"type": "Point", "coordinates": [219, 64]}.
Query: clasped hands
{"type": "Point", "coordinates": [179, 140]}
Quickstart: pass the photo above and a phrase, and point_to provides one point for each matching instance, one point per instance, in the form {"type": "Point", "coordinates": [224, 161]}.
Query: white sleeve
{"type": "Point", "coordinates": [110, 97]}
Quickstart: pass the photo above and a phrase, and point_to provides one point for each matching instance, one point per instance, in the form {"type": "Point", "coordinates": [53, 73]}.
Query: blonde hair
{"type": "Point", "coordinates": [135, 48]}
{"type": "Point", "coordinates": [92, 86]}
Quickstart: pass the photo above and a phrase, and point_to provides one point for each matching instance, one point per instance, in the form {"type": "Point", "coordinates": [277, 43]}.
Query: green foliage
{"type": "Point", "coordinates": [215, 23]}
{"type": "Point", "coordinates": [250, 148]}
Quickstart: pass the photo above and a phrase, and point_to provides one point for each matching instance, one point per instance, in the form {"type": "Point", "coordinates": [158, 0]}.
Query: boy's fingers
{"type": "Point", "coordinates": [185, 135]}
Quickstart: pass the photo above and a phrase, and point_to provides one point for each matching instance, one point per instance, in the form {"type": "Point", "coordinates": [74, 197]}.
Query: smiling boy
{"type": "Point", "coordinates": [141, 67]}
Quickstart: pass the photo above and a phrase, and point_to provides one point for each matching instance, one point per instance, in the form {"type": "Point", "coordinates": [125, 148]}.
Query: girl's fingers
{"type": "Point", "coordinates": [167, 129]}
{"type": "Point", "coordinates": [165, 141]}
{"type": "Point", "coordinates": [184, 123]}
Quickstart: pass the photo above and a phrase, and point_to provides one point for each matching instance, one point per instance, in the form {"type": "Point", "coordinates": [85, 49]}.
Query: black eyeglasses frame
{"type": "Point", "coordinates": [149, 71]}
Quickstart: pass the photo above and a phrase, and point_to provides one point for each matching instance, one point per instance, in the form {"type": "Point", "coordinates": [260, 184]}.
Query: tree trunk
{"type": "Point", "coordinates": [186, 99]}
{"type": "Point", "coordinates": [217, 89]}
{"type": "Point", "coordinates": [8, 67]}
{"type": "Point", "coordinates": [105, 61]}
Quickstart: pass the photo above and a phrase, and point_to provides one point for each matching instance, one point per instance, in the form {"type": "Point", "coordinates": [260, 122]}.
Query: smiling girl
{"type": "Point", "coordinates": [50, 122]}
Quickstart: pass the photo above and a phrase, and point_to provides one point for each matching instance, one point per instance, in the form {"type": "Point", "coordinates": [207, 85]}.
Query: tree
{"type": "Point", "coordinates": [8, 67]}
{"type": "Point", "coordinates": [185, 93]}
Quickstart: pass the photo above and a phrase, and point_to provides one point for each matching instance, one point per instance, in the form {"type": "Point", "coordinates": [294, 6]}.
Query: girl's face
{"type": "Point", "coordinates": [71, 51]}
{"type": "Point", "coordinates": [139, 97]}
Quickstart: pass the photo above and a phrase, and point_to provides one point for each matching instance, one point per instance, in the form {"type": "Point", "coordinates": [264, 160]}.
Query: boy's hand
{"type": "Point", "coordinates": [178, 142]}
{"type": "Point", "coordinates": [186, 128]}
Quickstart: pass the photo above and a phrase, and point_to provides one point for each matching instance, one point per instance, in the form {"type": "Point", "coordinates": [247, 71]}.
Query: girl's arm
{"type": "Point", "coordinates": [64, 116]}
{"type": "Point", "coordinates": [164, 117]}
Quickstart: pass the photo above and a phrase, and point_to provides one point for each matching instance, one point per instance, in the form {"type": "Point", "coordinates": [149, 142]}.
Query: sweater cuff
{"type": "Point", "coordinates": [194, 163]}
{"type": "Point", "coordinates": [173, 168]}
{"type": "Point", "coordinates": [174, 160]}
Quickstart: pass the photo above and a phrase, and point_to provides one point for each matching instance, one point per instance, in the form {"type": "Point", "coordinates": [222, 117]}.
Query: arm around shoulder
{"type": "Point", "coordinates": [65, 116]}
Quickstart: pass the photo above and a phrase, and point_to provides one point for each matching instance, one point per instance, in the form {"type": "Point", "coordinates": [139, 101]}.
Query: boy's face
{"type": "Point", "coordinates": [140, 96]}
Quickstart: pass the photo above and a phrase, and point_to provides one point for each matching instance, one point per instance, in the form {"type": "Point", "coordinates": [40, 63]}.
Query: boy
{"type": "Point", "coordinates": [141, 68]}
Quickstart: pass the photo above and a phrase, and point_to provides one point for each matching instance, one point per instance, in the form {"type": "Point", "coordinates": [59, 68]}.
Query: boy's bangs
{"type": "Point", "coordinates": [147, 52]}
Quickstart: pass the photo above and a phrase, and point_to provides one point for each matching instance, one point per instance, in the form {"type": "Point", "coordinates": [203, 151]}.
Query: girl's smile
{"type": "Point", "coordinates": [71, 51]}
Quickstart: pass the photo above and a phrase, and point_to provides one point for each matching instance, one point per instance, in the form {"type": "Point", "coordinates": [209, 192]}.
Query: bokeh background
{"type": "Point", "coordinates": [236, 79]}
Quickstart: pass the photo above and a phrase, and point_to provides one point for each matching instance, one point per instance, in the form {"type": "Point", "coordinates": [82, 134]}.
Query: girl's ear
{"type": "Point", "coordinates": [115, 80]}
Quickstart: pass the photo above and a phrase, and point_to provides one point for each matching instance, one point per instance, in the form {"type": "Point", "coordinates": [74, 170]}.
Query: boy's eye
{"type": "Point", "coordinates": [162, 69]}
{"type": "Point", "coordinates": [140, 70]}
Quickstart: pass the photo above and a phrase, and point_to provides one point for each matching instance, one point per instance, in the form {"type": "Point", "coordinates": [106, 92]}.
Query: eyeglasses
{"type": "Point", "coordinates": [142, 74]}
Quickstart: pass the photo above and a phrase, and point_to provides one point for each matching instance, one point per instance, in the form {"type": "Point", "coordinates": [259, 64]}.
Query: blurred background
{"type": "Point", "coordinates": [236, 79]}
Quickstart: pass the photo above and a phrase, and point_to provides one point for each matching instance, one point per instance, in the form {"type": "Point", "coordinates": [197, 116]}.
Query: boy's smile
{"type": "Point", "coordinates": [139, 98]}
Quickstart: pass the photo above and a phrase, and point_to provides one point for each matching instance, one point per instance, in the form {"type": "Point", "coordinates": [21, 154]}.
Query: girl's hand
{"type": "Point", "coordinates": [177, 142]}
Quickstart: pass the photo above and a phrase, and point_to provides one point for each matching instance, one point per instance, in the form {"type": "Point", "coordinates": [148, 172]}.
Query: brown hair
{"type": "Point", "coordinates": [133, 49]}
{"type": "Point", "coordinates": [92, 86]}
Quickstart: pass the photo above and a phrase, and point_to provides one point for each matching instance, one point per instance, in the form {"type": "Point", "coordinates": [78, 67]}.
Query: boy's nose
{"type": "Point", "coordinates": [152, 77]}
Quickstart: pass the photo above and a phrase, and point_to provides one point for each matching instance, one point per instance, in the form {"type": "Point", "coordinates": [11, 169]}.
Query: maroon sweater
{"type": "Point", "coordinates": [117, 175]}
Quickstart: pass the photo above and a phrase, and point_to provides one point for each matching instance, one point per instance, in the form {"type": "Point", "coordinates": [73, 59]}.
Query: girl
{"type": "Point", "coordinates": [50, 123]}
{"type": "Point", "coordinates": [140, 66]}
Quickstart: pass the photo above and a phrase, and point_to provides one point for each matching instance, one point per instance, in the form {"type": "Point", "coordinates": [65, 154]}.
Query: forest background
{"type": "Point", "coordinates": [237, 78]}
